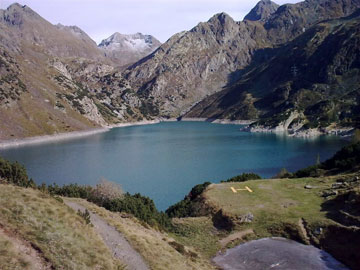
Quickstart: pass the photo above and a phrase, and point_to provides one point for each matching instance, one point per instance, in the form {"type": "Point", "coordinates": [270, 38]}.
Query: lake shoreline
{"type": "Point", "coordinates": [84, 133]}
{"type": "Point", "coordinates": [218, 121]}
{"type": "Point", "coordinates": [4, 144]}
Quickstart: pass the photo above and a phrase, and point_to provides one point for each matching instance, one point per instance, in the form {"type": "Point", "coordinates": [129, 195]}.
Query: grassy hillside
{"type": "Point", "coordinates": [151, 243]}
{"type": "Point", "coordinates": [319, 211]}
{"type": "Point", "coordinates": [39, 232]}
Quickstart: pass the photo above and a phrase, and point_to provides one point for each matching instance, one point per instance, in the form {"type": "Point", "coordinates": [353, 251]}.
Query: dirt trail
{"type": "Point", "coordinates": [303, 230]}
{"type": "Point", "coordinates": [235, 236]}
{"type": "Point", "coordinates": [115, 241]}
{"type": "Point", "coordinates": [26, 251]}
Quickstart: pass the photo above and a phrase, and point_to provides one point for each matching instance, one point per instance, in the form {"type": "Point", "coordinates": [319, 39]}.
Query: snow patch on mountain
{"type": "Point", "coordinates": [127, 49]}
{"type": "Point", "coordinates": [134, 42]}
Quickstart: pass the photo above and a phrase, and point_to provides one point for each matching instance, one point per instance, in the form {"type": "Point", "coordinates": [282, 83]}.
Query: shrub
{"type": "Point", "coordinates": [141, 207]}
{"type": "Point", "coordinates": [243, 177]}
{"type": "Point", "coordinates": [85, 215]}
{"type": "Point", "coordinates": [283, 173]}
{"type": "Point", "coordinates": [311, 171]}
{"type": "Point", "coordinates": [106, 190]}
{"type": "Point", "coordinates": [347, 159]}
{"type": "Point", "coordinates": [180, 209]}
{"type": "Point", "coordinates": [197, 190]}
{"type": "Point", "coordinates": [72, 191]}
{"type": "Point", "coordinates": [110, 196]}
{"type": "Point", "coordinates": [187, 207]}
{"type": "Point", "coordinates": [14, 173]}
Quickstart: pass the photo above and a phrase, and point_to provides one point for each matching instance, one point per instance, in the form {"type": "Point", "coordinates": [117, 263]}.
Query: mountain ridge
{"type": "Point", "coordinates": [71, 85]}
{"type": "Point", "coordinates": [215, 53]}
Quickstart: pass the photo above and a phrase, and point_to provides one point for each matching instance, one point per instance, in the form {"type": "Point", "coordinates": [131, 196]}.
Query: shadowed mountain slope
{"type": "Point", "coordinates": [194, 64]}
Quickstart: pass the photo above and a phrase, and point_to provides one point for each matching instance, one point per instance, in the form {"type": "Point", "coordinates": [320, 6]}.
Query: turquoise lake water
{"type": "Point", "coordinates": [164, 161]}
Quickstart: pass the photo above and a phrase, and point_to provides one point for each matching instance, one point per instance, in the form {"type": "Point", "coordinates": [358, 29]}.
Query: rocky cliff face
{"type": "Point", "coordinates": [291, 20]}
{"type": "Point", "coordinates": [128, 49]}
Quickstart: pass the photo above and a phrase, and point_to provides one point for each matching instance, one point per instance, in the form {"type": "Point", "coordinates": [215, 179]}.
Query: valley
{"type": "Point", "coordinates": [231, 145]}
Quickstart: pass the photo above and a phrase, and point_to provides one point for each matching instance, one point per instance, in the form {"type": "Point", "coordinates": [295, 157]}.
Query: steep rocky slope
{"type": "Point", "coordinates": [214, 54]}
{"type": "Point", "coordinates": [23, 29]}
{"type": "Point", "coordinates": [312, 82]}
{"type": "Point", "coordinates": [193, 64]}
{"type": "Point", "coordinates": [128, 49]}
{"type": "Point", "coordinates": [54, 78]}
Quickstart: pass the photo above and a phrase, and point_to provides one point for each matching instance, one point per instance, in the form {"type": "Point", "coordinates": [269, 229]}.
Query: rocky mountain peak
{"type": "Point", "coordinates": [77, 32]}
{"type": "Point", "coordinates": [222, 18]}
{"type": "Point", "coordinates": [262, 11]}
{"type": "Point", "coordinates": [221, 25]}
{"type": "Point", "coordinates": [126, 49]}
{"type": "Point", "coordinates": [132, 41]}
{"type": "Point", "coordinates": [15, 14]}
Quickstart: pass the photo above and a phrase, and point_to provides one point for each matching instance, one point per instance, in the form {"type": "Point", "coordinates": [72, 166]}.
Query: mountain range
{"type": "Point", "coordinates": [292, 68]}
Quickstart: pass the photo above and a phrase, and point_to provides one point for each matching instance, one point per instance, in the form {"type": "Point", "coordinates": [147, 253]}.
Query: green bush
{"type": "Point", "coordinates": [141, 207]}
{"type": "Point", "coordinates": [186, 207]}
{"type": "Point", "coordinates": [85, 215]}
{"type": "Point", "coordinates": [197, 190]}
{"type": "Point", "coordinates": [180, 209]}
{"type": "Point", "coordinates": [14, 173]}
{"type": "Point", "coordinates": [72, 191]}
{"type": "Point", "coordinates": [311, 171]}
{"type": "Point", "coordinates": [347, 159]}
{"type": "Point", "coordinates": [243, 177]}
{"type": "Point", "coordinates": [283, 173]}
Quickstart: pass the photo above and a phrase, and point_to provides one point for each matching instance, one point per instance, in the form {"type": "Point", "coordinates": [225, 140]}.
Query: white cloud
{"type": "Point", "coordinates": [161, 18]}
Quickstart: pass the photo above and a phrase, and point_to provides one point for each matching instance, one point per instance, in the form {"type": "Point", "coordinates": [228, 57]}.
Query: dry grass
{"type": "Point", "coordinates": [61, 236]}
{"type": "Point", "coordinates": [10, 258]}
{"type": "Point", "coordinates": [159, 250]}
{"type": "Point", "coordinates": [198, 232]}
{"type": "Point", "coordinates": [273, 201]}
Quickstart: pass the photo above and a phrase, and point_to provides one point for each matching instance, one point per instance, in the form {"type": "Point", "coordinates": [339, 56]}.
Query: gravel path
{"type": "Point", "coordinates": [116, 242]}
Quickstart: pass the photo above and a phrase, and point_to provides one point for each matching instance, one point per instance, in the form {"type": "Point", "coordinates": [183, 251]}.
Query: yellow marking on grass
{"type": "Point", "coordinates": [241, 189]}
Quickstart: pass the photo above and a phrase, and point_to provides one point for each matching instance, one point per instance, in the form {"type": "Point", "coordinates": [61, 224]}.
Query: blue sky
{"type": "Point", "coordinates": [160, 18]}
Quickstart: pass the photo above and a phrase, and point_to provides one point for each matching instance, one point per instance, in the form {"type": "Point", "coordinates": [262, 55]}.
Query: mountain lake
{"type": "Point", "coordinates": [164, 161]}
